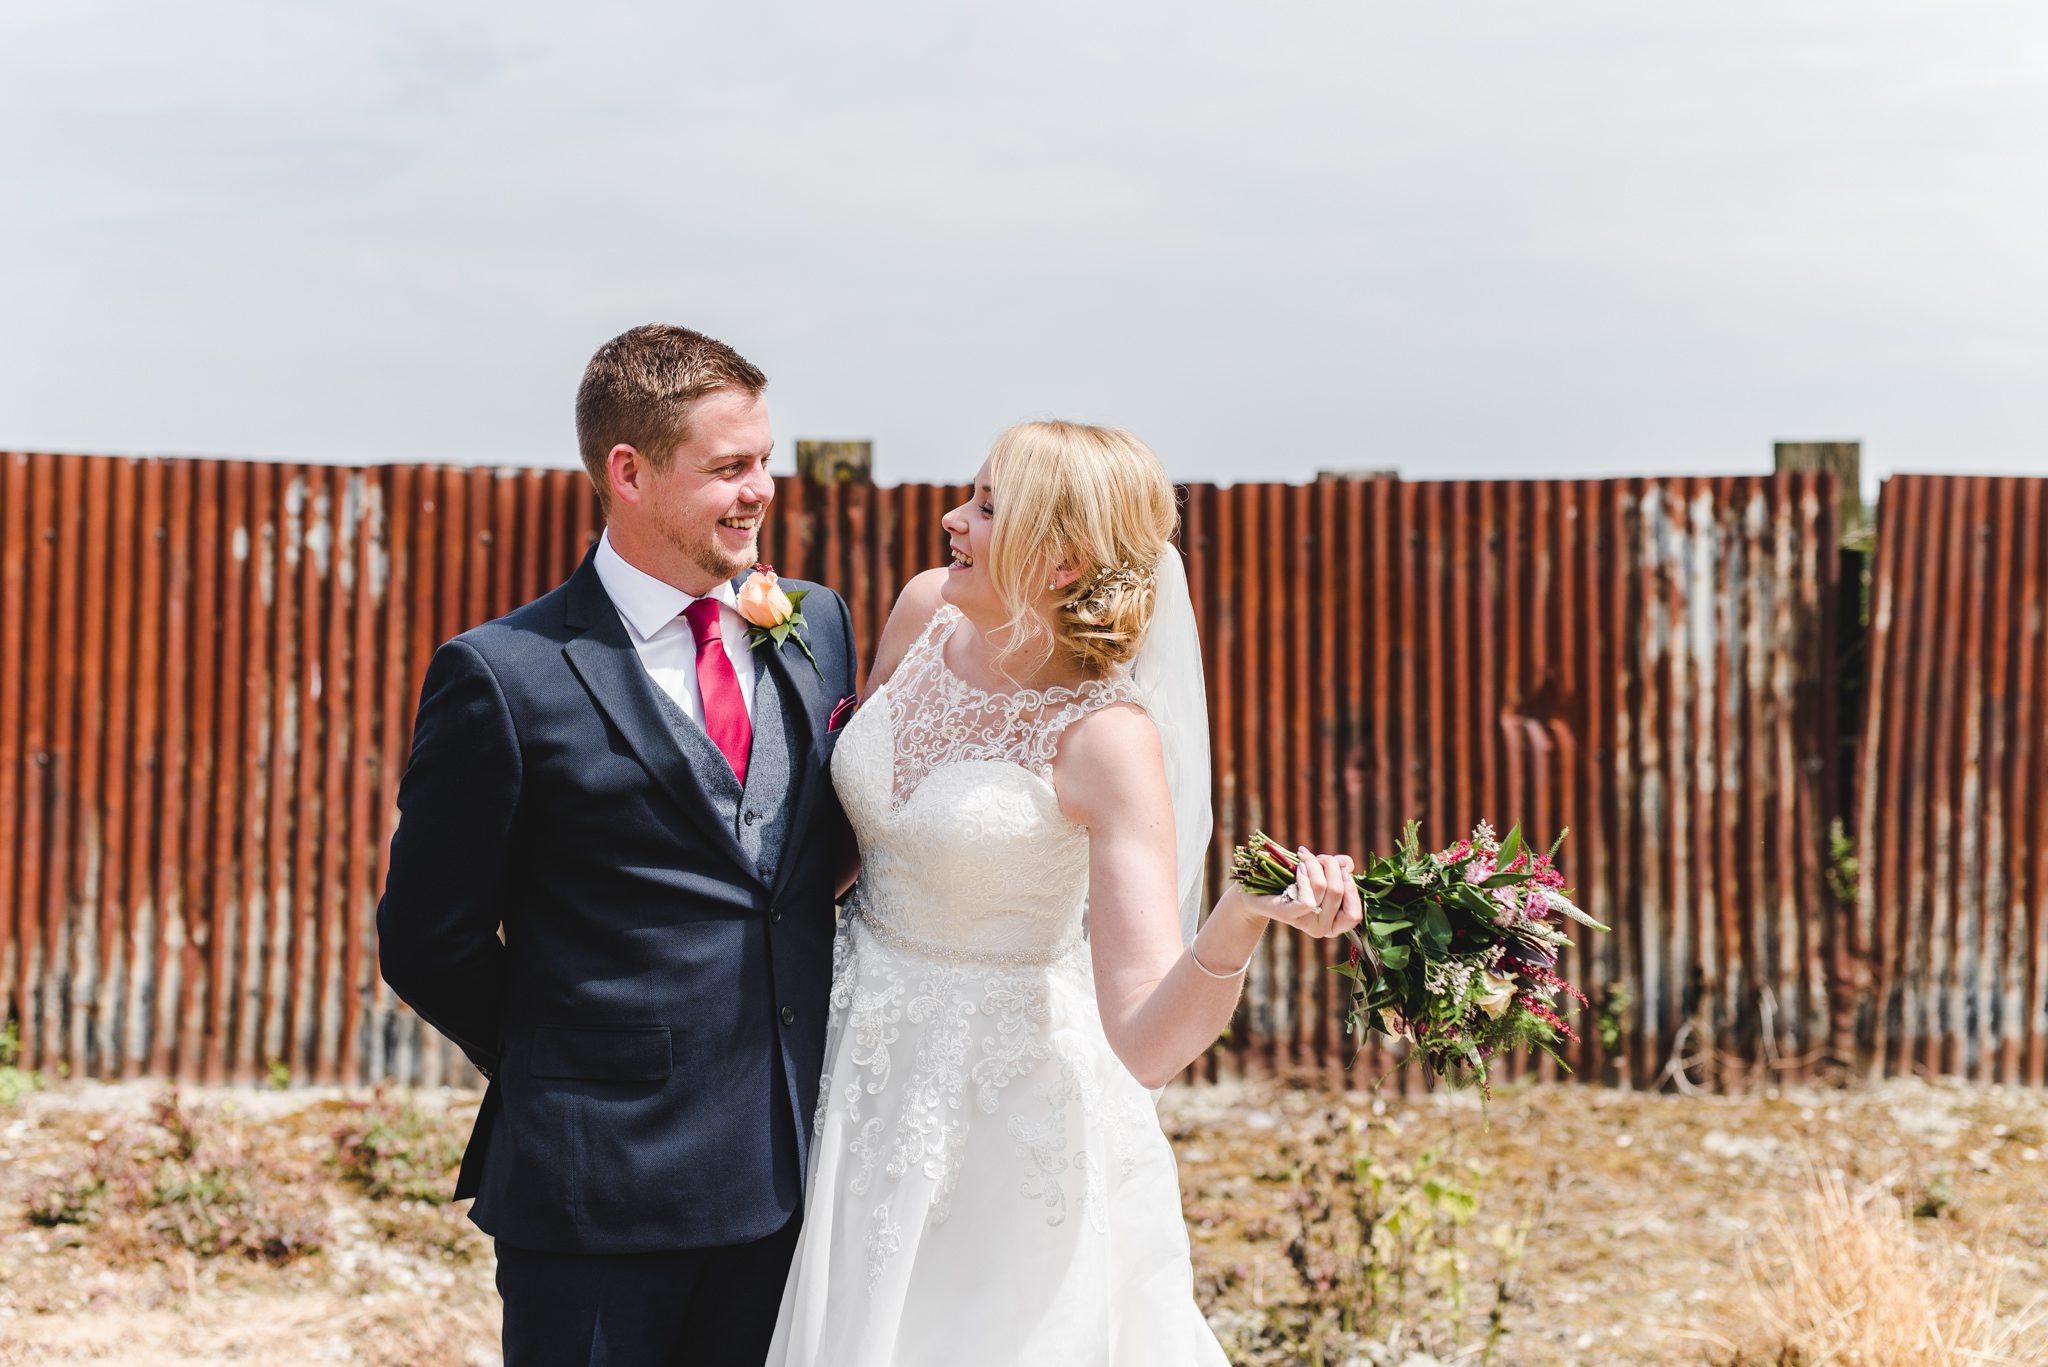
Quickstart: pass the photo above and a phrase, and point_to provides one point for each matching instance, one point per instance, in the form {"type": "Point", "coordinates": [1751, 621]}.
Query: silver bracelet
{"type": "Point", "coordinates": [1196, 959]}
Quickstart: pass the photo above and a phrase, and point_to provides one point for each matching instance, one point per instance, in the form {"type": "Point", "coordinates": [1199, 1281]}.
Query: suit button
{"type": "Point", "coordinates": [789, 1015]}
{"type": "Point", "coordinates": [775, 915]}
{"type": "Point", "coordinates": [751, 817]}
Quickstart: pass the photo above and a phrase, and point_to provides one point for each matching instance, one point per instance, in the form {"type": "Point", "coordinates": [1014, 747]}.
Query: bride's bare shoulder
{"type": "Point", "coordinates": [1110, 763]}
{"type": "Point", "coordinates": [915, 605]}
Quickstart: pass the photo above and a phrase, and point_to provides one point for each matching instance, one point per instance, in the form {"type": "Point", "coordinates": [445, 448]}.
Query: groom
{"type": "Point", "coordinates": [638, 798]}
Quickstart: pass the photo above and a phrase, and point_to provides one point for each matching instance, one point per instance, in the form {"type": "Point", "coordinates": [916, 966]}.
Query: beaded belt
{"type": "Point", "coordinates": [962, 954]}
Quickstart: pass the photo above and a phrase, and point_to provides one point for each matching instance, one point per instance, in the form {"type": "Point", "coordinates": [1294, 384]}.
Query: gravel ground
{"type": "Point", "coordinates": [1644, 1220]}
{"type": "Point", "coordinates": [1640, 1221]}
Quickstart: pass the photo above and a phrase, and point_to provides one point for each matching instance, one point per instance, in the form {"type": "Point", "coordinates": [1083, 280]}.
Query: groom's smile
{"type": "Point", "coordinates": [740, 532]}
{"type": "Point", "coordinates": [742, 528]}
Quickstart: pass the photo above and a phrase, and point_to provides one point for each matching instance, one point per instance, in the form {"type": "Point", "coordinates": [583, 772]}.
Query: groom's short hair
{"type": "Point", "coordinates": [638, 389]}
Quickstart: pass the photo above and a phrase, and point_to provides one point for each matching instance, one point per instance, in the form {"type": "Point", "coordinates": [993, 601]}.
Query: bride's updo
{"type": "Point", "coordinates": [1096, 500]}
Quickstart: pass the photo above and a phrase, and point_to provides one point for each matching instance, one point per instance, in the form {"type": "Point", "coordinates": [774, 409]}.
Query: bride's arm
{"type": "Point", "coordinates": [1160, 1008]}
{"type": "Point", "coordinates": [914, 608]}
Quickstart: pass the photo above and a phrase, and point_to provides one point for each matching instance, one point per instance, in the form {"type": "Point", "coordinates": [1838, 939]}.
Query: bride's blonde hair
{"type": "Point", "coordinates": [1094, 499]}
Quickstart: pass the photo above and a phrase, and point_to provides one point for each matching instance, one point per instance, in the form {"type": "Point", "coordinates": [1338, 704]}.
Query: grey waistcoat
{"type": "Point", "coordinates": [758, 813]}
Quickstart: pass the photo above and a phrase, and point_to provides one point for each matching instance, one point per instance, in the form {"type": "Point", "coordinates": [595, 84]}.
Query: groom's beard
{"type": "Point", "coordinates": [708, 551]}
{"type": "Point", "coordinates": [718, 561]}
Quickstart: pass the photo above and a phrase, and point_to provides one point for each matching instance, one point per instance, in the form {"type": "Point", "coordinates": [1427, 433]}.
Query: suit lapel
{"type": "Point", "coordinates": [800, 682]}
{"type": "Point", "coordinates": [604, 659]}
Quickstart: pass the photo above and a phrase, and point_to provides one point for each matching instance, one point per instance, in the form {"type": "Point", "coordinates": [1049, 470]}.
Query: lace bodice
{"type": "Point", "coordinates": [965, 853]}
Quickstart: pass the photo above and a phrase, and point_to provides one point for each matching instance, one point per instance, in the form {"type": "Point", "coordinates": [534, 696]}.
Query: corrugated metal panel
{"type": "Point", "coordinates": [1645, 661]}
{"type": "Point", "coordinates": [208, 671]}
{"type": "Point", "coordinates": [1952, 791]}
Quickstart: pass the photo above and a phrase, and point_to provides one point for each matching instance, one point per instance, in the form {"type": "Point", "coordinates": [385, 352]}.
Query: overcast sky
{"type": "Point", "coordinates": [1491, 237]}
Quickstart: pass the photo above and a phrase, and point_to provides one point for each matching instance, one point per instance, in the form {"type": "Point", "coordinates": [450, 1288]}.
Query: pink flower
{"type": "Point", "coordinates": [1541, 1011]}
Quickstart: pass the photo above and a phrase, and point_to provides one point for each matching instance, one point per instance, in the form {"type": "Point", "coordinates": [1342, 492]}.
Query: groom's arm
{"type": "Point", "coordinates": [437, 927]}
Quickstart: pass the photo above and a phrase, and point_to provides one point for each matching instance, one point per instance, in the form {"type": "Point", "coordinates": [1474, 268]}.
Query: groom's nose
{"type": "Point", "coordinates": [759, 487]}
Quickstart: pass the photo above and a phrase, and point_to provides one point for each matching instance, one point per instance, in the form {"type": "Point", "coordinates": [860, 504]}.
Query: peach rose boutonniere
{"type": "Point", "coordinates": [774, 613]}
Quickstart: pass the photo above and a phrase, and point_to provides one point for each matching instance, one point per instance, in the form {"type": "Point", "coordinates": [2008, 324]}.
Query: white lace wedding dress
{"type": "Point", "coordinates": [989, 1184]}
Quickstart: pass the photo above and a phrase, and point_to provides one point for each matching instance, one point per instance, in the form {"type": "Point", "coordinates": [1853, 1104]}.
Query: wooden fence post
{"type": "Point", "coordinates": [836, 462]}
{"type": "Point", "coordinates": [1843, 460]}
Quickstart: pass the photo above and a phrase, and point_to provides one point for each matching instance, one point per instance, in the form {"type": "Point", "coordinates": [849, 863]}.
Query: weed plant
{"type": "Point", "coordinates": [1392, 1254]}
{"type": "Point", "coordinates": [15, 1081]}
{"type": "Point", "coordinates": [392, 1149]}
{"type": "Point", "coordinates": [186, 1179]}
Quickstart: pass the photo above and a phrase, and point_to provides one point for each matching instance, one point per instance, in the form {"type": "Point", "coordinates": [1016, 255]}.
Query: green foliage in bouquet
{"type": "Point", "coordinates": [1458, 950]}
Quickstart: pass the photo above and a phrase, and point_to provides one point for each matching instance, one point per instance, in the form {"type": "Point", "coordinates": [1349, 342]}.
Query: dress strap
{"type": "Point", "coordinates": [1045, 730]}
{"type": "Point", "coordinates": [931, 638]}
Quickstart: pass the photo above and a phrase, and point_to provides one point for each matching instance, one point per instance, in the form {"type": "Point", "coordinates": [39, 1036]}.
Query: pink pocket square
{"type": "Point", "coordinates": [841, 711]}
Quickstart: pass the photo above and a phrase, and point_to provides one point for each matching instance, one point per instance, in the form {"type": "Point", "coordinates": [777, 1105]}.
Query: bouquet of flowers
{"type": "Point", "coordinates": [1458, 949]}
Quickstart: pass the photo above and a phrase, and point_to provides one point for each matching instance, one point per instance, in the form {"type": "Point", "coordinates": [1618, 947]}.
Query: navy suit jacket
{"type": "Point", "coordinates": [653, 1019]}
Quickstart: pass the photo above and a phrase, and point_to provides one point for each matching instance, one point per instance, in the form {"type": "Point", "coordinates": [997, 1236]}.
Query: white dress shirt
{"type": "Point", "coordinates": [652, 610]}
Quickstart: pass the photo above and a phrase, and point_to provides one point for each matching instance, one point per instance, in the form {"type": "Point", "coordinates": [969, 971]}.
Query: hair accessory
{"type": "Point", "coordinates": [1126, 575]}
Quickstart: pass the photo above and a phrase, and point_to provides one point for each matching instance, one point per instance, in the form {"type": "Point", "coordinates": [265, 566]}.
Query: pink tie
{"type": "Point", "coordinates": [725, 711]}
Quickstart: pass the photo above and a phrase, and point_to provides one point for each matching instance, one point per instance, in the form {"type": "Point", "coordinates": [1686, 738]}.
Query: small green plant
{"type": "Point", "coordinates": [1937, 1198]}
{"type": "Point", "coordinates": [75, 1200]}
{"type": "Point", "coordinates": [278, 1075]}
{"type": "Point", "coordinates": [396, 1150]}
{"type": "Point", "coordinates": [1843, 872]}
{"type": "Point", "coordinates": [1385, 1247]}
{"type": "Point", "coordinates": [1415, 1215]}
{"type": "Point", "coordinates": [1612, 1017]}
{"type": "Point", "coordinates": [15, 1081]}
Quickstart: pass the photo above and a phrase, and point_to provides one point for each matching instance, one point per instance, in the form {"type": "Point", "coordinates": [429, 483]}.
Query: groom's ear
{"type": "Point", "coordinates": [625, 468]}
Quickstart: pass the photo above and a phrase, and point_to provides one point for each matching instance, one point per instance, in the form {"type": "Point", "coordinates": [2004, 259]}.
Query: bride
{"type": "Point", "coordinates": [989, 1182]}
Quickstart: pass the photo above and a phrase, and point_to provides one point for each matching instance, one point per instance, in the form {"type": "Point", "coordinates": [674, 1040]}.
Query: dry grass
{"type": "Point", "coordinates": [393, 1282]}
{"type": "Point", "coordinates": [1570, 1227]}
{"type": "Point", "coordinates": [1844, 1279]}
{"type": "Point", "coordinates": [1611, 1229]}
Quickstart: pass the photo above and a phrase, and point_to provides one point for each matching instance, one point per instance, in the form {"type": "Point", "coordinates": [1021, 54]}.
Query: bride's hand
{"type": "Point", "coordinates": [1323, 902]}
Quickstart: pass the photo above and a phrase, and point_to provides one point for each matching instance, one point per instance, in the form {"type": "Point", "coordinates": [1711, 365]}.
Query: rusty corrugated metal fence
{"type": "Point", "coordinates": [1645, 661]}
{"type": "Point", "coordinates": [208, 671]}
{"type": "Point", "coordinates": [1952, 784]}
